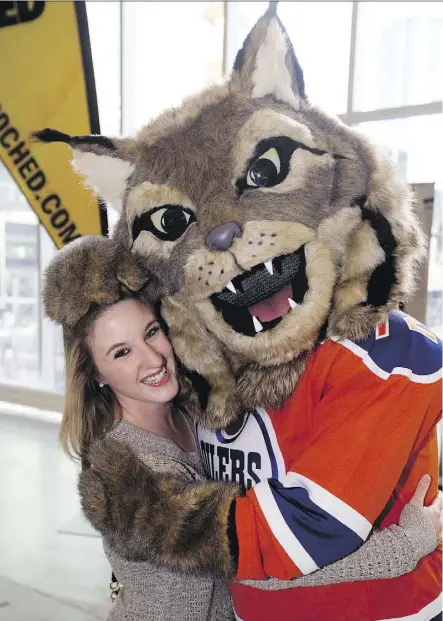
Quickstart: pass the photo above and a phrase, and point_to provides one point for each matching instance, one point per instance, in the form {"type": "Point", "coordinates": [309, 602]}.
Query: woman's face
{"type": "Point", "coordinates": [132, 354]}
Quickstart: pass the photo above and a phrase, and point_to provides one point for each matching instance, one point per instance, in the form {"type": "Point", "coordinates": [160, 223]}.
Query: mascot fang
{"type": "Point", "coordinates": [281, 246]}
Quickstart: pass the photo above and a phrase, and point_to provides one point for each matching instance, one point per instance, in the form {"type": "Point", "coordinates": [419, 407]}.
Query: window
{"type": "Point", "coordinates": [170, 50]}
{"type": "Point", "coordinates": [19, 287]}
{"type": "Point", "coordinates": [399, 54]}
{"type": "Point", "coordinates": [104, 34]}
{"type": "Point", "coordinates": [415, 143]}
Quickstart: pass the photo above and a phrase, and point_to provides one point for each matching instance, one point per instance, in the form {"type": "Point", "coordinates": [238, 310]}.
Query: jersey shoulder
{"type": "Point", "coordinates": [400, 346]}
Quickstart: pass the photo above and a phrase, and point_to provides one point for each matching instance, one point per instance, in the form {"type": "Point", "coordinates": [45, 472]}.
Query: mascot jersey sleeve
{"type": "Point", "coordinates": [345, 452]}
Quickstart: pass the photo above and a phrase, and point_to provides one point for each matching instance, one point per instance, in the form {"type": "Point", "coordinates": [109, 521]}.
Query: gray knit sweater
{"type": "Point", "coordinates": [150, 593]}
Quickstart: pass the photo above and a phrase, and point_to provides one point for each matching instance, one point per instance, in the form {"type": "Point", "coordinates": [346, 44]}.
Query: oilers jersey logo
{"type": "Point", "coordinates": [246, 456]}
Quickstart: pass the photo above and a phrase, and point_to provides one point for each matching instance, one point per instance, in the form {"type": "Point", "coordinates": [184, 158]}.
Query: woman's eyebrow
{"type": "Point", "coordinates": [148, 325]}
{"type": "Point", "coordinates": [113, 347]}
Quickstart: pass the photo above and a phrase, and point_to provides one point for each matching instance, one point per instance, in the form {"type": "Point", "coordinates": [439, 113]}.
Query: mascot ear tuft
{"type": "Point", "coordinates": [50, 135]}
{"type": "Point", "coordinates": [272, 8]}
{"type": "Point", "coordinates": [267, 64]}
{"type": "Point", "coordinates": [106, 163]}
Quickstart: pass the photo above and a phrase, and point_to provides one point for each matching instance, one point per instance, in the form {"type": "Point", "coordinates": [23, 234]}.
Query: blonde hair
{"type": "Point", "coordinates": [89, 410]}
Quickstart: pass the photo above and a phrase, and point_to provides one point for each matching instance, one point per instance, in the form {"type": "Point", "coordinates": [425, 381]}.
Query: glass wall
{"type": "Point", "coordinates": [170, 50]}
{"type": "Point", "coordinates": [399, 54]}
{"type": "Point", "coordinates": [19, 287]}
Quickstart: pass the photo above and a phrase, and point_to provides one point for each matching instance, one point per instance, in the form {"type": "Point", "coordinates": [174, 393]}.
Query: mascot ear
{"type": "Point", "coordinates": [267, 65]}
{"type": "Point", "coordinates": [105, 162]}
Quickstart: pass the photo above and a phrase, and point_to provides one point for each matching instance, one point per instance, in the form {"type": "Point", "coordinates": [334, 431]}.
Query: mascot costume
{"type": "Point", "coordinates": [282, 247]}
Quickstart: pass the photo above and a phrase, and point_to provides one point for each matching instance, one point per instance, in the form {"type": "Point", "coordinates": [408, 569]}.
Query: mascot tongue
{"type": "Point", "coordinates": [274, 307]}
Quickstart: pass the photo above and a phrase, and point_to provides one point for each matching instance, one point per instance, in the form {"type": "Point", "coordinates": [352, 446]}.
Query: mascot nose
{"type": "Point", "coordinates": [222, 236]}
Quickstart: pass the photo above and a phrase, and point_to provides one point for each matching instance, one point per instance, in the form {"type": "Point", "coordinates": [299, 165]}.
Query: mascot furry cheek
{"type": "Point", "coordinates": [269, 224]}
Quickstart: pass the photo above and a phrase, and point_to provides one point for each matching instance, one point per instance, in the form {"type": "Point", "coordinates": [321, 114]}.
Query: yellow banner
{"type": "Point", "coordinates": [47, 80]}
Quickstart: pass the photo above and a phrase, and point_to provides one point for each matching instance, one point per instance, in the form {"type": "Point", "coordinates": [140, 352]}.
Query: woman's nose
{"type": "Point", "coordinates": [152, 357]}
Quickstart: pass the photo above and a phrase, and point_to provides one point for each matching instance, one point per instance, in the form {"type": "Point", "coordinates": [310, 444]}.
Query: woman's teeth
{"type": "Point", "coordinates": [155, 379]}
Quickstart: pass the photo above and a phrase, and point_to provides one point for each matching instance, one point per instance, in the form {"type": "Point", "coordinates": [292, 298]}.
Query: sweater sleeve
{"type": "Point", "coordinates": [388, 553]}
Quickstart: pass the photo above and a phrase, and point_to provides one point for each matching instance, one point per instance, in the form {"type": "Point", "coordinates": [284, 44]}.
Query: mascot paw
{"type": "Point", "coordinates": [112, 461]}
{"type": "Point", "coordinates": [113, 476]}
{"type": "Point", "coordinates": [88, 271]}
{"type": "Point", "coordinates": [126, 501]}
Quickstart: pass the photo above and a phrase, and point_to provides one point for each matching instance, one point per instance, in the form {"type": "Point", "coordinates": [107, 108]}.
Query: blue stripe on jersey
{"type": "Point", "coordinates": [267, 439]}
{"type": "Point", "coordinates": [404, 347]}
{"type": "Point", "coordinates": [323, 537]}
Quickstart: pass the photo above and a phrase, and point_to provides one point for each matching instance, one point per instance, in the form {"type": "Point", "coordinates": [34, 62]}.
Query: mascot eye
{"type": "Point", "coordinates": [265, 170]}
{"type": "Point", "coordinates": [171, 222]}
{"type": "Point", "coordinates": [167, 222]}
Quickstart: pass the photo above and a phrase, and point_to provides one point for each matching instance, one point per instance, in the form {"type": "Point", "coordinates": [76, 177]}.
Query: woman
{"type": "Point", "coordinates": [122, 414]}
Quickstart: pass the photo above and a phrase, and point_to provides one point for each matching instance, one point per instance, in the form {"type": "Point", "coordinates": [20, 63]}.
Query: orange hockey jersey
{"type": "Point", "coordinates": [343, 454]}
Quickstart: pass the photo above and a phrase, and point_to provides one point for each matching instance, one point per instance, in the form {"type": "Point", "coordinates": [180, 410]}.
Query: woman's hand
{"type": "Point", "coordinates": [434, 511]}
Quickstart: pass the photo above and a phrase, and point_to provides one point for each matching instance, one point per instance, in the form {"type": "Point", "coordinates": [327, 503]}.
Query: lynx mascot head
{"type": "Point", "coordinates": [269, 224]}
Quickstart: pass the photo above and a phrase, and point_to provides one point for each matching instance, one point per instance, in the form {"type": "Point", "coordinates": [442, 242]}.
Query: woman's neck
{"type": "Point", "coordinates": [159, 418]}
{"type": "Point", "coordinates": [155, 417]}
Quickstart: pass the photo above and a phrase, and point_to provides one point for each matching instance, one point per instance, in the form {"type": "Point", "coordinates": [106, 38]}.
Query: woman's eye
{"type": "Point", "coordinates": [151, 332]}
{"type": "Point", "coordinates": [121, 352]}
{"type": "Point", "coordinates": [265, 170]}
{"type": "Point", "coordinates": [171, 222]}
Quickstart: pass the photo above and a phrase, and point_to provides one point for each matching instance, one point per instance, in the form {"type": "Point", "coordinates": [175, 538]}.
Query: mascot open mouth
{"type": "Point", "coordinates": [257, 300]}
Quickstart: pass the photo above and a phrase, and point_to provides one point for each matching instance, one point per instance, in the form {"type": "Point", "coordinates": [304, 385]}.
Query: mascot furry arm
{"type": "Point", "coordinates": [160, 517]}
{"type": "Point", "coordinates": [284, 245]}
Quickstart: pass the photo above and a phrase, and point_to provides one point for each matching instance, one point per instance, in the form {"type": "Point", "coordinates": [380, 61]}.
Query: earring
{"type": "Point", "coordinates": [100, 385]}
